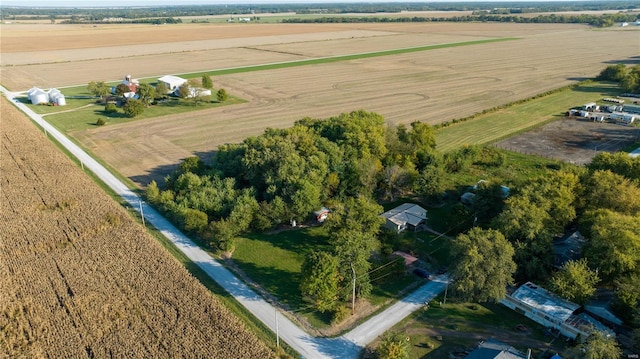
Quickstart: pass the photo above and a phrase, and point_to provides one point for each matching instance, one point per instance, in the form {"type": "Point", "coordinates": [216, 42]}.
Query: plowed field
{"type": "Point", "coordinates": [80, 278]}
{"type": "Point", "coordinates": [430, 86]}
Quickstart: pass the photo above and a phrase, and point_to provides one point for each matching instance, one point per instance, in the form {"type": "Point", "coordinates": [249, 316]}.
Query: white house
{"type": "Point", "coordinates": [407, 215]}
{"type": "Point", "coordinates": [547, 309]}
{"type": "Point", "coordinates": [172, 82]}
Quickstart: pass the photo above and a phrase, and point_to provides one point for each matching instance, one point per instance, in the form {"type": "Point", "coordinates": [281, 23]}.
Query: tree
{"type": "Point", "coordinates": [221, 95]}
{"type": "Point", "coordinates": [613, 73]}
{"type": "Point", "coordinates": [320, 280]}
{"type": "Point", "coordinates": [146, 93]}
{"type": "Point", "coordinates": [620, 163]}
{"type": "Point", "coordinates": [161, 89]}
{"type": "Point", "coordinates": [98, 88]}
{"type": "Point", "coordinates": [194, 221]}
{"type": "Point", "coordinates": [431, 182]}
{"type": "Point", "coordinates": [133, 108]}
{"type": "Point", "coordinates": [206, 82]}
{"type": "Point", "coordinates": [598, 346]}
{"type": "Point", "coordinates": [422, 136]}
{"type": "Point", "coordinates": [394, 346]}
{"type": "Point", "coordinates": [607, 190]}
{"type": "Point", "coordinates": [575, 282]}
{"type": "Point", "coordinates": [485, 265]}
{"type": "Point", "coordinates": [614, 242]}
{"type": "Point", "coordinates": [353, 228]}
{"type": "Point", "coordinates": [184, 91]}
{"type": "Point", "coordinates": [121, 89]}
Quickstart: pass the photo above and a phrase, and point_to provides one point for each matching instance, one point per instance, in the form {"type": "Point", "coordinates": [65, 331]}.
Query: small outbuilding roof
{"type": "Point", "coordinates": [408, 258]}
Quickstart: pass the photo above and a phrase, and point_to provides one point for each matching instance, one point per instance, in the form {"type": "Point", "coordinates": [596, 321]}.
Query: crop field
{"type": "Point", "coordinates": [80, 278]}
{"type": "Point", "coordinates": [431, 86]}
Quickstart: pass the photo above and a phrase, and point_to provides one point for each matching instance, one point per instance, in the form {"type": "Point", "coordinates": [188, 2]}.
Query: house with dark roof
{"type": "Point", "coordinates": [493, 349]}
{"type": "Point", "coordinates": [567, 248]}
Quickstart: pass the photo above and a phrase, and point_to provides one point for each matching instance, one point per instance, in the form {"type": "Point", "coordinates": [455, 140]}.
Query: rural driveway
{"type": "Point", "coordinates": [346, 346]}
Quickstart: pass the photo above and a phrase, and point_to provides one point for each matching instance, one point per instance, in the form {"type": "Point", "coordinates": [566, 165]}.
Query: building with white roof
{"type": "Point", "coordinates": [552, 311]}
{"type": "Point", "coordinates": [407, 215]}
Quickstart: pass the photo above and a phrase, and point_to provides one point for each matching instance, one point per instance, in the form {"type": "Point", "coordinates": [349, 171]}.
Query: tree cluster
{"type": "Point", "coordinates": [605, 20]}
{"type": "Point", "coordinates": [627, 77]}
{"type": "Point", "coordinates": [288, 173]}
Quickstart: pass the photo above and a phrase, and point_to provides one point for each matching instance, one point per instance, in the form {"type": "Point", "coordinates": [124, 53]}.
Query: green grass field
{"type": "Point", "coordinates": [274, 261]}
{"type": "Point", "coordinates": [517, 118]}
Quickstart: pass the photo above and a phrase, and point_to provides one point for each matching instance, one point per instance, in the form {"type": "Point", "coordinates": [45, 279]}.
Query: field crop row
{"type": "Point", "coordinates": [79, 278]}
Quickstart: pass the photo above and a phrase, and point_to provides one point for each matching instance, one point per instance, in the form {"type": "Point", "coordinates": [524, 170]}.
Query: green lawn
{"type": "Point", "coordinates": [460, 325]}
{"type": "Point", "coordinates": [521, 117]}
{"type": "Point", "coordinates": [274, 261]}
{"type": "Point", "coordinates": [86, 117]}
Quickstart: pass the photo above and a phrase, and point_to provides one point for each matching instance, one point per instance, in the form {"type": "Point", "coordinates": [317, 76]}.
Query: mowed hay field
{"type": "Point", "coordinates": [80, 278]}
{"type": "Point", "coordinates": [430, 86]}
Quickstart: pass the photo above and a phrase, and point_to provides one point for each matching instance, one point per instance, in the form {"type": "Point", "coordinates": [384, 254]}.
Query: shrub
{"type": "Point", "coordinates": [101, 122]}
{"type": "Point", "coordinates": [110, 108]}
{"type": "Point", "coordinates": [133, 108]}
{"type": "Point", "coordinates": [341, 313]}
{"type": "Point", "coordinates": [222, 95]}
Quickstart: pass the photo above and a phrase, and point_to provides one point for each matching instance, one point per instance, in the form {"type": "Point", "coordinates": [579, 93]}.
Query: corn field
{"type": "Point", "coordinates": [80, 278]}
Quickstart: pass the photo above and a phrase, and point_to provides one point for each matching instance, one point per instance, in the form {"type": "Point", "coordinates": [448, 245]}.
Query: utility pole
{"type": "Point", "coordinates": [277, 331]}
{"type": "Point", "coordinates": [353, 296]}
{"type": "Point", "coordinates": [141, 213]}
{"type": "Point", "coordinates": [445, 294]}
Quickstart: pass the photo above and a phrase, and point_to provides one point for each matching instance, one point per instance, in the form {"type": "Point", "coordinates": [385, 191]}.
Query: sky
{"type": "Point", "coordinates": [118, 3]}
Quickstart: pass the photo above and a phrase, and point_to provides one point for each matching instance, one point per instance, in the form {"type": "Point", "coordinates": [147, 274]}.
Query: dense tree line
{"type": "Point", "coordinates": [627, 77]}
{"type": "Point", "coordinates": [604, 20]}
{"type": "Point", "coordinates": [138, 12]}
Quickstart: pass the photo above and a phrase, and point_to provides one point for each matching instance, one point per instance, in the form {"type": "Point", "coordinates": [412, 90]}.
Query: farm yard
{"type": "Point", "coordinates": [80, 278]}
{"type": "Point", "coordinates": [432, 86]}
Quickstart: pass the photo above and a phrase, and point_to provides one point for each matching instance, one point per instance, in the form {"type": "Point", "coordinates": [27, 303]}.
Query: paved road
{"type": "Point", "coordinates": [346, 346]}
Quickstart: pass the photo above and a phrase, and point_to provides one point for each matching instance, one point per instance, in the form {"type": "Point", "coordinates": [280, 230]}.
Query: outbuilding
{"type": "Point", "coordinates": [37, 96]}
{"type": "Point", "coordinates": [172, 82]}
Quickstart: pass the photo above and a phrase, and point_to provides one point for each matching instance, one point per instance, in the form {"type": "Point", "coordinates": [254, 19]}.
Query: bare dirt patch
{"type": "Point", "coordinates": [574, 141]}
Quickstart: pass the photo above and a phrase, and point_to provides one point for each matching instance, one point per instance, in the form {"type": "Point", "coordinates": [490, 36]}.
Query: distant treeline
{"type": "Point", "coordinates": [96, 13]}
{"type": "Point", "coordinates": [594, 20]}
{"type": "Point", "coordinates": [91, 20]}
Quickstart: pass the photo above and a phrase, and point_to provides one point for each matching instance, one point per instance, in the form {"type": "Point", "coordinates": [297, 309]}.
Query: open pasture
{"type": "Point", "coordinates": [430, 86]}
{"type": "Point", "coordinates": [80, 278]}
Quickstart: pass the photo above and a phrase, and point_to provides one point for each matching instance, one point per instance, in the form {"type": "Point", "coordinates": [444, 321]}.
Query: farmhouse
{"type": "Point", "coordinates": [407, 215]}
{"type": "Point", "coordinates": [547, 309]}
{"type": "Point", "coordinates": [172, 82]}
